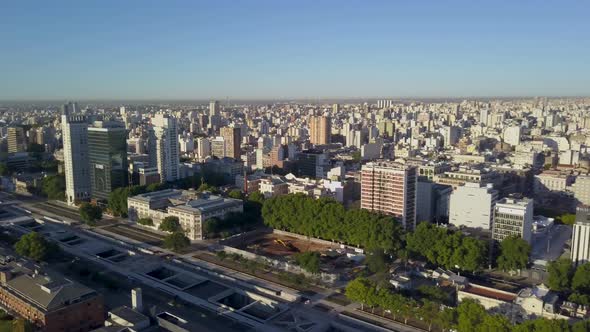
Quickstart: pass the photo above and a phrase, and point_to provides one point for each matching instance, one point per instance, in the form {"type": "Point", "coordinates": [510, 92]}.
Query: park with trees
{"type": "Point", "coordinates": [468, 316]}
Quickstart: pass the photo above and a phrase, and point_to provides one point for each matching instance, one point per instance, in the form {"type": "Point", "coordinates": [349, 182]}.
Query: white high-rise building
{"type": "Point", "coordinates": [513, 217]}
{"type": "Point", "coordinates": [472, 206]}
{"type": "Point", "coordinates": [167, 149]}
{"type": "Point", "coordinates": [76, 163]}
{"type": "Point", "coordinates": [203, 147]}
{"type": "Point", "coordinates": [581, 236]}
{"type": "Point", "coordinates": [512, 135]}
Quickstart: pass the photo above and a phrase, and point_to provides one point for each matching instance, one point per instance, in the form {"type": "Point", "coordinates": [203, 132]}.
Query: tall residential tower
{"type": "Point", "coordinates": [76, 164]}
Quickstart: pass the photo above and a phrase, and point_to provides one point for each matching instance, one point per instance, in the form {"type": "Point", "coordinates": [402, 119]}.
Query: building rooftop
{"type": "Point", "coordinates": [47, 291]}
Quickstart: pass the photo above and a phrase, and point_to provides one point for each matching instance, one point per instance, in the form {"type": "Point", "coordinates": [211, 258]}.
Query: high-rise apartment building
{"type": "Point", "coordinates": [218, 147]}
{"type": "Point", "coordinates": [390, 188]}
{"type": "Point", "coordinates": [233, 140]}
{"type": "Point", "coordinates": [581, 189]}
{"type": "Point", "coordinates": [214, 118]}
{"type": "Point", "coordinates": [581, 236]}
{"type": "Point", "coordinates": [203, 147]}
{"type": "Point", "coordinates": [513, 217]}
{"type": "Point", "coordinates": [472, 205]}
{"type": "Point", "coordinates": [75, 147]}
{"type": "Point", "coordinates": [16, 140]}
{"type": "Point", "coordinates": [107, 154]}
{"type": "Point", "coordinates": [320, 130]}
{"type": "Point", "coordinates": [167, 147]}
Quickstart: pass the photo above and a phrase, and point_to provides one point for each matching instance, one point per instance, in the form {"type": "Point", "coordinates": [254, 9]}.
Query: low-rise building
{"type": "Point", "coordinates": [48, 300]}
{"type": "Point", "coordinates": [190, 207]}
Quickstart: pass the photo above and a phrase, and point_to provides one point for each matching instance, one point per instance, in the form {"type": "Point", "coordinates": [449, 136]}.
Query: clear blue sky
{"type": "Point", "coordinates": [292, 49]}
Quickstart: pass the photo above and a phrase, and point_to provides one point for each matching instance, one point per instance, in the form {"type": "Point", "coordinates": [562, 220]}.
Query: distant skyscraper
{"type": "Point", "coordinates": [76, 164]}
{"type": "Point", "coordinates": [320, 130]}
{"type": "Point", "coordinates": [107, 151]}
{"type": "Point", "coordinates": [16, 140]}
{"type": "Point", "coordinates": [214, 117]}
{"type": "Point", "coordinates": [167, 149]}
{"type": "Point", "coordinates": [390, 188]}
{"type": "Point", "coordinates": [581, 236]}
{"type": "Point", "coordinates": [233, 139]}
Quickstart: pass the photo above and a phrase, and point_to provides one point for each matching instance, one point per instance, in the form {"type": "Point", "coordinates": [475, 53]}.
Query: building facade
{"type": "Point", "coordinates": [233, 138]}
{"type": "Point", "coordinates": [320, 130]}
{"type": "Point", "coordinates": [581, 236]}
{"type": "Point", "coordinates": [472, 205]}
{"type": "Point", "coordinates": [390, 188]}
{"type": "Point", "coordinates": [167, 147]}
{"type": "Point", "coordinates": [107, 154]}
{"type": "Point", "coordinates": [16, 140]}
{"type": "Point", "coordinates": [76, 162]}
{"type": "Point", "coordinates": [191, 208]}
{"type": "Point", "coordinates": [513, 217]}
{"type": "Point", "coordinates": [50, 302]}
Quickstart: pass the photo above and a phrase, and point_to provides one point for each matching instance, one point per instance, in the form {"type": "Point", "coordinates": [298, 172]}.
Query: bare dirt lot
{"type": "Point", "coordinates": [274, 245]}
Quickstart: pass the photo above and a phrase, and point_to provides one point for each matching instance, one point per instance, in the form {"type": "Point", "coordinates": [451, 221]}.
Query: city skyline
{"type": "Point", "coordinates": [266, 50]}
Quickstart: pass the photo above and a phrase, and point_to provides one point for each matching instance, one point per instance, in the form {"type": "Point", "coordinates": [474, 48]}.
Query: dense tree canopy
{"type": "Point", "coordinates": [170, 224]}
{"type": "Point", "coordinates": [236, 193]}
{"type": "Point", "coordinates": [54, 187]}
{"type": "Point", "coordinates": [514, 254]}
{"type": "Point", "coordinates": [176, 241]}
{"type": "Point", "coordinates": [581, 279]}
{"type": "Point", "coordinates": [560, 274]}
{"type": "Point", "coordinates": [328, 219]}
{"type": "Point", "coordinates": [4, 169]}
{"type": "Point", "coordinates": [146, 221]}
{"type": "Point", "coordinates": [90, 213]}
{"type": "Point", "coordinates": [309, 261]}
{"type": "Point", "coordinates": [446, 248]}
{"type": "Point", "coordinates": [34, 246]}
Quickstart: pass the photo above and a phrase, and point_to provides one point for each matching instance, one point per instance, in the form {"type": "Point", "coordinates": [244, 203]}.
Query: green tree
{"type": "Point", "coordinates": [581, 279]}
{"type": "Point", "coordinates": [146, 221]}
{"type": "Point", "coordinates": [377, 261]}
{"type": "Point", "coordinates": [581, 326]}
{"type": "Point", "coordinates": [470, 316]}
{"type": "Point", "coordinates": [561, 272]}
{"type": "Point", "coordinates": [170, 224]}
{"type": "Point", "coordinates": [356, 156]}
{"type": "Point", "coordinates": [309, 261]}
{"type": "Point", "coordinates": [4, 169]}
{"type": "Point", "coordinates": [514, 254]}
{"type": "Point", "coordinates": [237, 194]}
{"type": "Point", "coordinates": [578, 298]}
{"type": "Point", "coordinates": [54, 187]}
{"type": "Point", "coordinates": [176, 241]}
{"type": "Point", "coordinates": [429, 312]}
{"type": "Point", "coordinates": [496, 323]}
{"type": "Point", "coordinates": [542, 325]}
{"type": "Point", "coordinates": [434, 293]}
{"type": "Point", "coordinates": [90, 213]}
{"type": "Point", "coordinates": [325, 218]}
{"type": "Point", "coordinates": [358, 289]}
{"type": "Point", "coordinates": [568, 218]}
{"type": "Point", "coordinates": [117, 202]}
{"type": "Point", "coordinates": [34, 246]}
{"type": "Point", "coordinates": [447, 319]}
{"type": "Point", "coordinates": [207, 187]}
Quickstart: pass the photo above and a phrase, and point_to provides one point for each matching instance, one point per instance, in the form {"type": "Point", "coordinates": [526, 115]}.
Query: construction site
{"type": "Point", "coordinates": [278, 247]}
{"type": "Point", "coordinates": [275, 245]}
